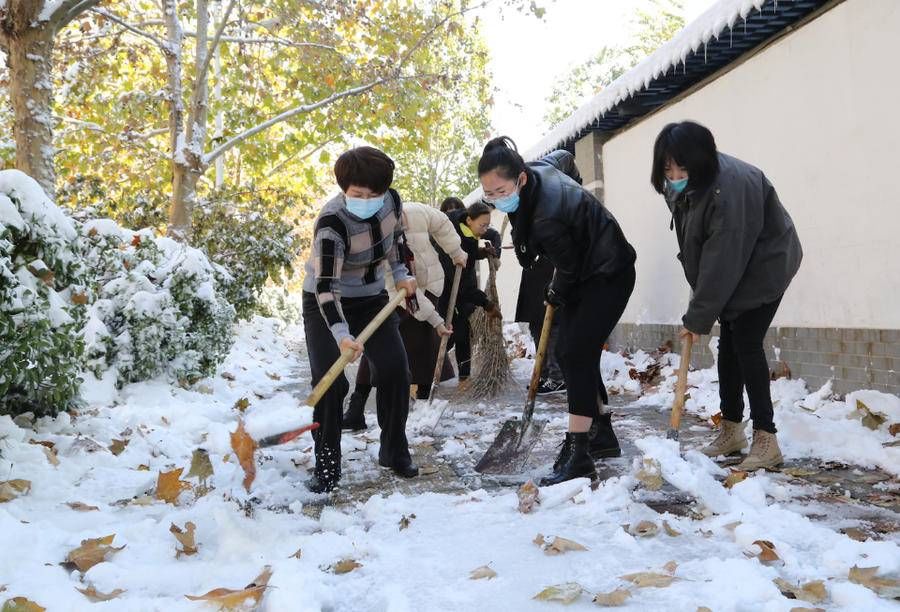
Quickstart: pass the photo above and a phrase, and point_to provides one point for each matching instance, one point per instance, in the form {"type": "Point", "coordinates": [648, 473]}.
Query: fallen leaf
{"type": "Point", "coordinates": [227, 375]}
{"type": "Point", "coordinates": [169, 486]}
{"type": "Point", "coordinates": [650, 475]}
{"type": "Point", "coordinates": [273, 375]}
{"type": "Point", "coordinates": [669, 530]}
{"type": "Point", "coordinates": [201, 466]}
{"type": "Point", "coordinates": [645, 529]}
{"type": "Point", "coordinates": [613, 598]}
{"type": "Point", "coordinates": [870, 419]}
{"type": "Point", "coordinates": [91, 552]}
{"type": "Point", "coordinates": [855, 534]}
{"type": "Point", "coordinates": [561, 545]}
{"type": "Point", "coordinates": [767, 552]}
{"type": "Point", "coordinates": [81, 507]}
{"type": "Point", "coordinates": [20, 604]}
{"type": "Point", "coordinates": [539, 540]}
{"type": "Point", "coordinates": [143, 468]}
{"type": "Point", "coordinates": [165, 421]}
{"type": "Point", "coordinates": [186, 538]}
{"type": "Point", "coordinates": [51, 455]}
{"type": "Point", "coordinates": [406, 520]}
{"type": "Point", "coordinates": [716, 418]}
{"type": "Point", "coordinates": [735, 477]}
{"type": "Point", "coordinates": [894, 429]}
{"type": "Point", "coordinates": [244, 447]}
{"type": "Point", "coordinates": [670, 567]}
{"type": "Point", "coordinates": [648, 579]}
{"type": "Point", "coordinates": [117, 446]}
{"type": "Point", "coordinates": [799, 472]}
{"type": "Point", "coordinates": [297, 555]}
{"type": "Point", "coordinates": [229, 599]}
{"type": "Point", "coordinates": [868, 577]}
{"type": "Point", "coordinates": [345, 566]}
{"type": "Point", "coordinates": [482, 572]}
{"type": "Point", "coordinates": [242, 404]}
{"type": "Point", "coordinates": [94, 595]}
{"type": "Point", "coordinates": [703, 609]}
{"type": "Point", "coordinates": [11, 489]}
{"type": "Point", "coordinates": [528, 496]}
{"type": "Point", "coordinates": [813, 592]}
{"type": "Point", "coordinates": [565, 593]}
{"type": "Point", "coordinates": [427, 470]}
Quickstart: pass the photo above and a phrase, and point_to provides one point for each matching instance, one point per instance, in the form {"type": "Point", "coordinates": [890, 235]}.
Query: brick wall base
{"type": "Point", "coordinates": [853, 358]}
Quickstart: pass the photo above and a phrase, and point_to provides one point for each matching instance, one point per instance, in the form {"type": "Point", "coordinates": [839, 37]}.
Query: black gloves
{"type": "Point", "coordinates": [553, 298]}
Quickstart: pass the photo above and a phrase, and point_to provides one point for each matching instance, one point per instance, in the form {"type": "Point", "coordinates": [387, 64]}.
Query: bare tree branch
{"type": "Point", "coordinates": [106, 14]}
{"type": "Point", "coordinates": [68, 11]}
{"type": "Point", "coordinates": [215, 43]}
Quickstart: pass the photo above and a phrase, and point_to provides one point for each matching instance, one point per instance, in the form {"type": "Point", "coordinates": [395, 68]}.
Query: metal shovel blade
{"type": "Point", "coordinates": [511, 448]}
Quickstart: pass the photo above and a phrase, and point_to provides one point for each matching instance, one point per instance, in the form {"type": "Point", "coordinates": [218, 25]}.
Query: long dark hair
{"type": "Point", "coordinates": [502, 155]}
{"type": "Point", "coordinates": [691, 146]}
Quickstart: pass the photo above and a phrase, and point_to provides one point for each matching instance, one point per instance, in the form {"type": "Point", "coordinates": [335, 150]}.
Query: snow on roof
{"type": "Point", "coordinates": [721, 15]}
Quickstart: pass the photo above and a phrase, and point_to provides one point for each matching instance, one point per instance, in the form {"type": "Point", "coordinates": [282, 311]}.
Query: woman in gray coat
{"type": "Point", "coordinates": [739, 250]}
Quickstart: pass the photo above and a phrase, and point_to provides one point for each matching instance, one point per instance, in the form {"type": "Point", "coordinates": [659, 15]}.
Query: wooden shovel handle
{"type": "Point", "coordinates": [448, 321]}
{"type": "Point", "coordinates": [543, 343]}
{"type": "Point", "coordinates": [347, 355]}
{"type": "Point", "coordinates": [681, 382]}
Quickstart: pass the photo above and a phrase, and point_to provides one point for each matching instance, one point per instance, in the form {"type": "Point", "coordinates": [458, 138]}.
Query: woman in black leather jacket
{"type": "Point", "coordinates": [554, 217]}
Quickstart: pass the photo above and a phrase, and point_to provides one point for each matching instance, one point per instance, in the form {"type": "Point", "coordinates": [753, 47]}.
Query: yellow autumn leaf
{"type": "Point", "coordinates": [528, 495]}
{"type": "Point", "coordinates": [565, 593]}
{"type": "Point", "coordinates": [244, 447]}
{"type": "Point", "coordinates": [648, 579]}
{"type": "Point", "coordinates": [91, 552]}
{"type": "Point", "coordinates": [169, 485]}
{"type": "Point", "coordinates": [94, 595]}
{"type": "Point", "coordinates": [229, 599]}
{"type": "Point", "coordinates": [345, 566]}
{"type": "Point", "coordinates": [561, 545]}
{"type": "Point", "coordinates": [11, 489]}
{"type": "Point", "coordinates": [185, 537]}
{"type": "Point", "coordinates": [613, 598]}
{"type": "Point", "coordinates": [645, 529]}
{"type": "Point", "coordinates": [868, 577]}
{"type": "Point", "coordinates": [21, 604]}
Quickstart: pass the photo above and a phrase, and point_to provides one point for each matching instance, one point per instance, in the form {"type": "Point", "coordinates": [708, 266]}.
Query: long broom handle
{"type": "Point", "coordinates": [448, 321]}
{"type": "Point", "coordinates": [543, 343]}
{"type": "Point", "coordinates": [681, 382]}
{"type": "Point", "coordinates": [347, 354]}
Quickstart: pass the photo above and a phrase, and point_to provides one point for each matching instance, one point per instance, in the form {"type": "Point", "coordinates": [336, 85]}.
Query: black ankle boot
{"type": "Point", "coordinates": [603, 441]}
{"type": "Point", "coordinates": [578, 464]}
{"type": "Point", "coordinates": [355, 417]}
{"type": "Point", "coordinates": [319, 484]}
{"type": "Point", "coordinates": [564, 452]}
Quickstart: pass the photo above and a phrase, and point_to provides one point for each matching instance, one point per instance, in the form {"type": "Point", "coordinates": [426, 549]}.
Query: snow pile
{"type": "Point", "coordinates": [722, 15]}
{"type": "Point", "coordinates": [43, 286]}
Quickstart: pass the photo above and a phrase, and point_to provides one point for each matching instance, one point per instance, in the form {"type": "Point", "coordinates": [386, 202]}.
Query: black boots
{"type": "Point", "coordinates": [402, 467]}
{"type": "Point", "coordinates": [574, 461]}
{"type": "Point", "coordinates": [603, 441]}
{"type": "Point", "coordinates": [328, 469]}
{"type": "Point", "coordinates": [355, 416]}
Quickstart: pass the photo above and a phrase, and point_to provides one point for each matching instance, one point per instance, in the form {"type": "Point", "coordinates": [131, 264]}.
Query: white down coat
{"type": "Point", "coordinates": [421, 223]}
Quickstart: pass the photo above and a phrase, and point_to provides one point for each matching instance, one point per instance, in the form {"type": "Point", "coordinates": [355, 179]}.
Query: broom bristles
{"type": "Point", "coordinates": [490, 372]}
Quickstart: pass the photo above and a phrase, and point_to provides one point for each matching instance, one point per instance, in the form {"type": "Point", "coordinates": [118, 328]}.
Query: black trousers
{"type": "Point", "coordinates": [555, 347]}
{"type": "Point", "coordinates": [462, 340]}
{"type": "Point", "coordinates": [387, 359]}
{"type": "Point", "coordinates": [588, 319]}
{"type": "Point", "coordinates": [742, 364]}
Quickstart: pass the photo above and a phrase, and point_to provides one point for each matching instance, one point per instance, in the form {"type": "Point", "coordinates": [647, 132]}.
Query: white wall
{"type": "Point", "coordinates": [819, 113]}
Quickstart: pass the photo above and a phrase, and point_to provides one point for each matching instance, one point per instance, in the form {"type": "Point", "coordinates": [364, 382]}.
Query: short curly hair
{"type": "Point", "coordinates": [364, 167]}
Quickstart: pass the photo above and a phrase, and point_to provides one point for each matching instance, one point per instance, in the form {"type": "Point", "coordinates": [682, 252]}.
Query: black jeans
{"type": "Point", "coordinates": [555, 347]}
{"type": "Point", "coordinates": [462, 340]}
{"type": "Point", "coordinates": [742, 363]}
{"type": "Point", "coordinates": [588, 319]}
{"type": "Point", "coordinates": [387, 359]}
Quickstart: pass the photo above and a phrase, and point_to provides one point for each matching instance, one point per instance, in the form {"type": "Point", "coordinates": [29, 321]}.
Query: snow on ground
{"type": "Point", "coordinates": [416, 551]}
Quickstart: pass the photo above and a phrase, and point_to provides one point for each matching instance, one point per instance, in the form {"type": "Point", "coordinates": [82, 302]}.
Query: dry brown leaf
{"type": "Point", "coordinates": [872, 420]}
{"type": "Point", "coordinates": [539, 540]}
{"type": "Point", "coordinates": [799, 472]}
{"type": "Point", "coordinates": [297, 555]}
{"type": "Point", "coordinates": [561, 545]}
{"type": "Point", "coordinates": [94, 595]}
{"type": "Point", "coordinates": [528, 496]}
{"type": "Point", "coordinates": [650, 475]}
{"type": "Point", "coordinates": [735, 477]}
{"type": "Point", "coordinates": [273, 375]}
{"type": "Point", "coordinates": [242, 404]}
{"type": "Point", "coordinates": [201, 466]}
{"type": "Point", "coordinates": [565, 593]}
{"type": "Point", "coordinates": [428, 470]}
{"type": "Point", "coordinates": [186, 538]}
{"type": "Point", "coordinates": [671, 566]}
{"type": "Point", "coordinates": [11, 489]}
{"type": "Point", "coordinates": [405, 521]}
{"type": "Point", "coordinates": [345, 566]}
{"type": "Point", "coordinates": [169, 486]}
{"type": "Point", "coordinates": [813, 592]}
{"type": "Point", "coordinates": [143, 468]}
{"type": "Point", "coordinates": [703, 609]}
{"type": "Point", "coordinates": [91, 552]}
{"type": "Point", "coordinates": [228, 599]}
{"type": "Point", "coordinates": [868, 577]}
{"type": "Point", "coordinates": [227, 375]}
{"type": "Point", "coordinates": [716, 418]}
{"type": "Point", "coordinates": [767, 552]}
{"type": "Point", "coordinates": [894, 429]}
{"type": "Point", "coordinates": [482, 572]}
{"type": "Point", "coordinates": [669, 530]}
{"type": "Point", "coordinates": [81, 507]}
{"type": "Point", "coordinates": [117, 446]}
{"type": "Point", "coordinates": [855, 534]}
{"type": "Point", "coordinates": [613, 598]}
{"type": "Point", "coordinates": [649, 579]}
{"type": "Point", "coordinates": [20, 604]}
{"type": "Point", "coordinates": [244, 447]}
{"type": "Point", "coordinates": [645, 529]}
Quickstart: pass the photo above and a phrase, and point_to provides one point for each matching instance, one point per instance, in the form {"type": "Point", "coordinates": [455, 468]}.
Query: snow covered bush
{"type": "Point", "coordinates": [279, 303]}
{"type": "Point", "coordinates": [43, 289]}
{"type": "Point", "coordinates": [159, 305]}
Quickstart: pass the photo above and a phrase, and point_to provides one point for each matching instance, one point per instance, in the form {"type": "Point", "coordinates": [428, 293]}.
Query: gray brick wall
{"type": "Point", "coordinates": [854, 358]}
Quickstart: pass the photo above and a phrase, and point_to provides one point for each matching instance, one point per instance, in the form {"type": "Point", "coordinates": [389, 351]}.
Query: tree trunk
{"type": "Point", "coordinates": [29, 58]}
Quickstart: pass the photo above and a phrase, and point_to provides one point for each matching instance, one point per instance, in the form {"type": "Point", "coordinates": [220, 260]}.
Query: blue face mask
{"type": "Point", "coordinates": [363, 208]}
{"type": "Point", "coordinates": [677, 186]}
{"type": "Point", "coordinates": [507, 204]}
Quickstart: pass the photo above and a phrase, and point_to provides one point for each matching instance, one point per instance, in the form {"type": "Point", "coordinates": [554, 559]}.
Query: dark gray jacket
{"type": "Point", "coordinates": [737, 243]}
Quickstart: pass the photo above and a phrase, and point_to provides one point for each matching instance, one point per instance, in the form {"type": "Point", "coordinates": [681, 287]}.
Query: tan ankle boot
{"type": "Point", "coordinates": [764, 453]}
{"type": "Point", "coordinates": [731, 439]}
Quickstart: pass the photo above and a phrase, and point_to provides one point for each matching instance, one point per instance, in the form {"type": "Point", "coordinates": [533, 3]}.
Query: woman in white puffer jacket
{"type": "Point", "coordinates": [421, 330]}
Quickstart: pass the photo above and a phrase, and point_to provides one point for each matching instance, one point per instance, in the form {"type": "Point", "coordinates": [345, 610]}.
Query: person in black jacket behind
{"type": "Point", "coordinates": [739, 250]}
{"type": "Point", "coordinates": [472, 224]}
{"type": "Point", "coordinates": [554, 217]}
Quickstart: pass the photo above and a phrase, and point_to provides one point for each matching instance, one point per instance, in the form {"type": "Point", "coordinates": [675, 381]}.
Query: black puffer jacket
{"type": "Point", "coordinates": [470, 296]}
{"type": "Point", "coordinates": [564, 222]}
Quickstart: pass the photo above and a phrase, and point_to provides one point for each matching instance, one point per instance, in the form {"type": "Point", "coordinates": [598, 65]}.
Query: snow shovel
{"type": "Point", "coordinates": [331, 375]}
{"type": "Point", "coordinates": [512, 446]}
{"type": "Point", "coordinates": [680, 388]}
{"type": "Point", "coordinates": [448, 321]}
